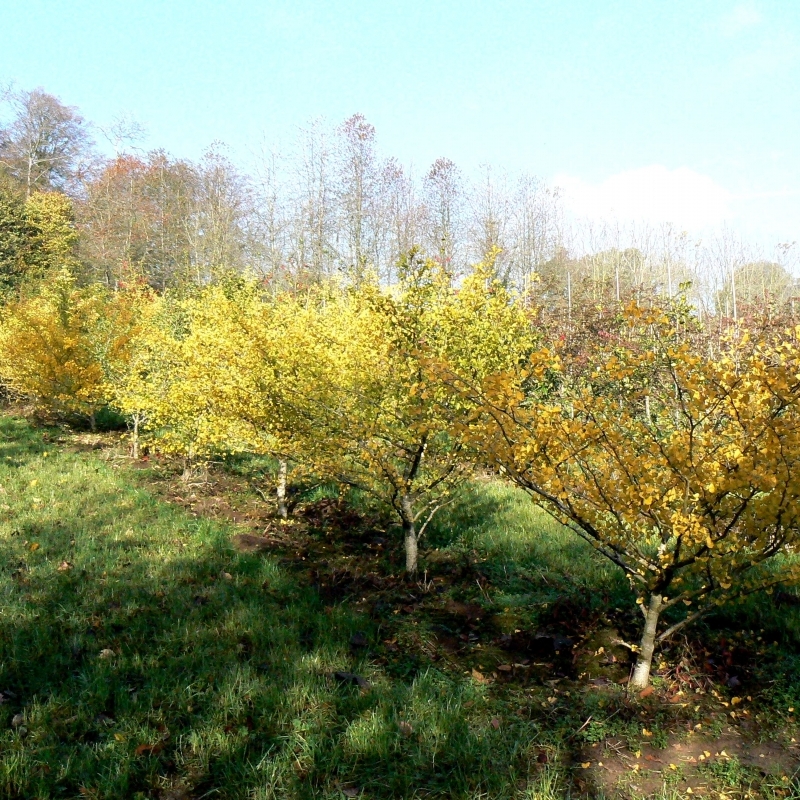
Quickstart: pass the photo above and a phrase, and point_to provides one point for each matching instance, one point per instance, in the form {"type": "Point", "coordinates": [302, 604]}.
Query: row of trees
{"type": "Point", "coordinates": [673, 449]}
{"type": "Point", "coordinates": [330, 204]}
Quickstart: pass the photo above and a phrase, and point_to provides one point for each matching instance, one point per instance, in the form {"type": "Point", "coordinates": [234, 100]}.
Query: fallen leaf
{"type": "Point", "coordinates": [149, 749]}
{"type": "Point", "coordinates": [17, 720]}
{"type": "Point", "coordinates": [586, 765]}
{"type": "Point", "coordinates": [504, 667]}
{"type": "Point", "coordinates": [34, 547]}
{"type": "Point", "coordinates": [406, 728]}
{"type": "Point", "coordinates": [495, 723]}
{"type": "Point", "coordinates": [64, 566]}
{"type": "Point", "coordinates": [646, 692]}
{"type": "Point", "coordinates": [106, 653]}
{"type": "Point", "coordinates": [479, 677]}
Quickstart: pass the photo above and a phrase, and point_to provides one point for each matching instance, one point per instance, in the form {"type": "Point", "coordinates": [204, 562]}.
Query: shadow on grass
{"type": "Point", "coordinates": [140, 656]}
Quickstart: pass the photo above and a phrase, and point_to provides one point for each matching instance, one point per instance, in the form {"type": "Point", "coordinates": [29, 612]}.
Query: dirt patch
{"type": "Point", "coordinates": [690, 765]}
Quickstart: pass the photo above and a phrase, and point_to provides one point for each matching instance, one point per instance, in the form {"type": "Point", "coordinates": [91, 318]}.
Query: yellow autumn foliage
{"type": "Point", "coordinates": [62, 346]}
{"type": "Point", "coordinates": [682, 469]}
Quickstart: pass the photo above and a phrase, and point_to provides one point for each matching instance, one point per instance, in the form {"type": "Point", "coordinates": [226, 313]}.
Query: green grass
{"type": "Point", "coordinates": [141, 656]}
{"type": "Point", "coordinates": [218, 682]}
{"type": "Point", "coordinates": [524, 549]}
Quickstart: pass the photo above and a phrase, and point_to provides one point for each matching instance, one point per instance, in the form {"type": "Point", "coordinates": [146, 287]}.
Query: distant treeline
{"type": "Point", "coordinates": [330, 204]}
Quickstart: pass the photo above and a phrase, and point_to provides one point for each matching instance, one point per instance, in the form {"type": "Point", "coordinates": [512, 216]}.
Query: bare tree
{"type": "Point", "coordinates": [357, 195]}
{"type": "Point", "coordinates": [270, 224]}
{"type": "Point", "coordinates": [444, 197]}
{"type": "Point", "coordinates": [490, 220]}
{"type": "Point", "coordinates": [536, 229]}
{"type": "Point", "coordinates": [45, 145]}
{"type": "Point", "coordinates": [311, 252]}
{"type": "Point", "coordinates": [402, 217]}
{"type": "Point", "coordinates": [123, 132]}
{"type": "Point", "coordinates": [222, 210]}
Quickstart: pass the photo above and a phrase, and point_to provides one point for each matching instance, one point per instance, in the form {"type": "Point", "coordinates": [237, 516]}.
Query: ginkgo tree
{"type": "Point", "coordinates": [688, 481]}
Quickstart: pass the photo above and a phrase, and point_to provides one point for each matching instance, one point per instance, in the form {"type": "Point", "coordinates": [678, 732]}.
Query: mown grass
{"type": "Point", "coordinates": [141, 656]}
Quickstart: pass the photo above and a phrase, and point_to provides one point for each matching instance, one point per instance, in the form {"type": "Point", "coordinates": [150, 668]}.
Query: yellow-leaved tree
{"type": "Point", "coordinates": [681, 469]}
{"type": "Point", "coordinates": [360, 401]}
{"type": "Point", "coordinates": [60, 346]}
{"type": "Point", "coordinates": [182, 380]}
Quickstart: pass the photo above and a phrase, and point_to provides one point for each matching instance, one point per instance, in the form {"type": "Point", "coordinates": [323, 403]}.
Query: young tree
{"type": "Point", "coordinates": [366, 406]}
{"type": "Point", "coordinates": [177, 381]}
{"type": "Point", "coordinates": [680, 469]}
{"type": "Point", "coordinates": [59, 347]}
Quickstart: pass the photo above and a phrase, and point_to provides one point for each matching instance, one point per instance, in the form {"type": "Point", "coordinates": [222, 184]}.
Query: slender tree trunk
{"type": "Point", "coordinates": [188, 466]}
{"type": "Point", "coordinates": [409, 534]}
{"type": "Point", "coordinates": [135, 437]}
{"type": "Point", "coordinates": [92, 422]}
{"type": "Point", "coordinates": [283, 469]}
{"type": "Point", "coordinates": [641, 672]}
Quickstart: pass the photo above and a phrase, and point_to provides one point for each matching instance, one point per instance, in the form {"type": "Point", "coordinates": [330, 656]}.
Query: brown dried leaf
{"type": "Point", "coordinates": [149, 749]}
{"type": "Point", "coordinates": [479, 676]}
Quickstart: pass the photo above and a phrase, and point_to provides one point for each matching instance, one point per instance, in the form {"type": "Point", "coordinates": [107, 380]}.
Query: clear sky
{"type": "Point", "coordinates": [683, 109]}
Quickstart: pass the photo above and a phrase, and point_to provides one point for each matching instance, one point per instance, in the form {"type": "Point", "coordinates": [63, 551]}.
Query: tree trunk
{"type": "Point", "coordinates": [641, 673]}
{"type": "Point", "coordinates": [283, 469]}
{"type": "Point", "coordinates": [409, 534]}
{"type": "Point", "coordinates": [135, 437]}
{"type": "Point", "coordinates": [188, 466]}
{"type": "Point", "coordinates": [93, 422]}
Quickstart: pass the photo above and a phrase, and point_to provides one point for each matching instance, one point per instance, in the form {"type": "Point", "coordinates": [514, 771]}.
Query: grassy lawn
{"type": "Point", "coordinates": [143, 655]}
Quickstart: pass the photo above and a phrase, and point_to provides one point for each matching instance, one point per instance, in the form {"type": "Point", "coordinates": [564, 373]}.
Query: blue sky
{"type": "Point", "coordinates": [658, 108]}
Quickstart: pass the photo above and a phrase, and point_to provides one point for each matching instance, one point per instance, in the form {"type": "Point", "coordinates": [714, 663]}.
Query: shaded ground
{"type": "Point", "coordinates": [710, 734]}
{"type": "Point", "coordinates": [200, 648]}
